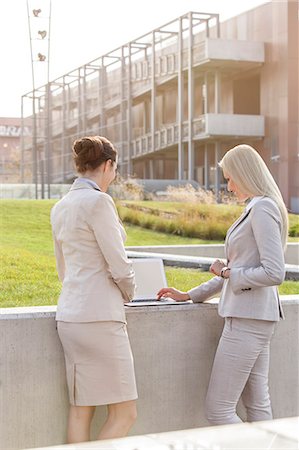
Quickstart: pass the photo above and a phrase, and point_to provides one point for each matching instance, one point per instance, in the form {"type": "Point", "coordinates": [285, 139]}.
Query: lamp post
{"type": "Point", "coordinates": [40, 55]}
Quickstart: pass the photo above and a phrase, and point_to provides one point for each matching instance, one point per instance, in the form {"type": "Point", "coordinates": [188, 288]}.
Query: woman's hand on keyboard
{"type": "Point", "coordinates": [173, 293]}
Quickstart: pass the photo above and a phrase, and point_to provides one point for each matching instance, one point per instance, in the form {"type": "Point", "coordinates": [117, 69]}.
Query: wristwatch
{"type": "Point", "coordinates": [223, 270]}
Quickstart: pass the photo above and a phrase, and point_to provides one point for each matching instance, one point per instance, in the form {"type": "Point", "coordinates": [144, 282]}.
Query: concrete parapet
{"type": "Point", "coordinates": [273, 434]}
{"type": "Point", "coordinates": [173, 349]}
{"type": "Point", "coordinates": [197, 262]}
{"type": "Point", "coordinates": [209, 250]}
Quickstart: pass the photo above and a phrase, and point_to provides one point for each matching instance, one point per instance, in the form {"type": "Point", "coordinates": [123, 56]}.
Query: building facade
{"type": "Point", "coordinates": [10, 148]}
{"type": "Point", "coordinates": [176, 99]}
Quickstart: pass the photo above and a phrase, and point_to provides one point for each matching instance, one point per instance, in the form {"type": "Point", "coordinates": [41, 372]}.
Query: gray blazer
{"type": "Point", "coordinates": [255, 256]}
{"type": "Point", "coordinates": [97, 277]}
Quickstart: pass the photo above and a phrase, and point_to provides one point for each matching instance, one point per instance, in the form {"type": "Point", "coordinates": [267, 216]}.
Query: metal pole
{"type": "Point", "coordinates": [22, 142]}
{"type": "Point", "coordinates": [34, 139]}
{"type": "Point", "coordinates": [217, 111]}
{"type": "Point", "coordinates": [79, 103]}
{"type": "Point", "coordinates": [49, 127]}
{"type": "Point", "coordinates": [217, 91]}
{"type": "Point", "coordinates": [129, 111]}
{"type": "Point", "coordinates": [180, 117]}
{"type": "Point", "coordinates": [206, 94]}
{"type": "Point", "coordinates": [122, 106]}
{"type": "Point", "coordinates": [49, 34]}
{"type": "Point", "coordinates": [63, 131]}
{"type": "Point", "coordinates": [190, 102]}
{"type": "Point", "coordinates": [153, 93]}
{"type": "Point", "coordinates": [84, 101]}
{"type": "Point", "coordinates": [102, 81]}
{"type": "Point", "coordinates": [48, 152]}
{"type": "Point", "coordinates": [42, 181]}
{"type": "Point", "coordinates": [217, 173]}
{"type": "Point", "coordinates": [206, 168]}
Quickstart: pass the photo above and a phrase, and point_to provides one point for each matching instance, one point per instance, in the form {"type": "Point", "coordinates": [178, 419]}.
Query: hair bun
{"type": "Point", "coordinates": [90, 152]}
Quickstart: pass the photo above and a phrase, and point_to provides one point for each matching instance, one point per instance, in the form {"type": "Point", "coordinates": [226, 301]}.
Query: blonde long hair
{"type": "Point", "coordinates": [249, 171]}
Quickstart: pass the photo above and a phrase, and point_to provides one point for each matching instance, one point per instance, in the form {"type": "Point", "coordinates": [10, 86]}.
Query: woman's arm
{"type": "Point", "coordinates": [60, 264]}
{"type": "Point", "coordinates": [105, 225]}
{"type": "Point", "coordinates": [206, 290]}
{"type": "Point", "coordinates": [198, 294]}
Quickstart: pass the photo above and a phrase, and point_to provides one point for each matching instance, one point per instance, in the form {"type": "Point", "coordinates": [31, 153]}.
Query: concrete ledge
{"type": "Point", "coordinates": [208, 250]}
{"type": "Point", "coordinates": [274, 434]}
{"type": "Point", "coordinates": [173, 348]}
{"type": "Point", "coordinates": [195, 262]}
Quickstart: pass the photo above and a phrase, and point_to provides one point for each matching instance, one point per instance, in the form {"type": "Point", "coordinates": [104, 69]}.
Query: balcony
{"type": "Point", "coordinates": [209, 54]}
{"type": "Point", "coordinates": [203, 128]}
{"type": "Point", "coordinates": [233, 125]}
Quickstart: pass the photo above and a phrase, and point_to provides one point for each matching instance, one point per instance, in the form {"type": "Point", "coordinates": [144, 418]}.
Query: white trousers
{"type": "Point", "coordinates": [241, 368]}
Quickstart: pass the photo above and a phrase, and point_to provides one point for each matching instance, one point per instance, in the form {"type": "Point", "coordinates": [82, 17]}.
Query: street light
{"type": "Point", "coordinates": [41, 57]}
{"type": "Point", "coordinates": [42, 34]}
{"type": "Point", "coordinates": [38, 55]}
{"type": "Point", "coordinates": [36, 12]}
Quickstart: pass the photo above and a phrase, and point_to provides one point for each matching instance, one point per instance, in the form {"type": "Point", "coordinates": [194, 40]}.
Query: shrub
{"type": "Point", "coordinates": [189, 194]}
{"type": "Point", "coordinates": [294, 230]}
{"type": "Point", "coordinates": [187, 220]}
{"type": "Point", "coordinates": [126, 189]}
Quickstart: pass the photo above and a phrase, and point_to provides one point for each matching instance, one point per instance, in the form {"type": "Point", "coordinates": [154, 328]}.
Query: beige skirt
{"type": "Point", "coordinates": [99, 362]}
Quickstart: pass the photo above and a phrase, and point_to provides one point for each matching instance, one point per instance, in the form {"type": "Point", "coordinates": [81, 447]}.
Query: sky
{"type": "Point", "coordinates": [82, 30]}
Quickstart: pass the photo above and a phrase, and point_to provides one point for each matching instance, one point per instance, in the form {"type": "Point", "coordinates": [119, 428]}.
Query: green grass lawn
{"type": "Point", "coordinates": [27, 264]}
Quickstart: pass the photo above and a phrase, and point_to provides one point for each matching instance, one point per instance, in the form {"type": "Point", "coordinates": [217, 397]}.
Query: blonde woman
{"type": "Point", "coordinates": [97, 278]}
{"type": "Point", "coordinates": [249, 300]}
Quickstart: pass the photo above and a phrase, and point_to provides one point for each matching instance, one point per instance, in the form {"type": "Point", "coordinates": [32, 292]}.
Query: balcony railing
{"type": "Point", "coordinates": [204, 51]}
{"type": "Point", "coordinates": [207, 125]}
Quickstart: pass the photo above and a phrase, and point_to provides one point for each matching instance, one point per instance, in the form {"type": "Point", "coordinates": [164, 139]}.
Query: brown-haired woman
{"type": "Point", "coordinates": [97, 278]}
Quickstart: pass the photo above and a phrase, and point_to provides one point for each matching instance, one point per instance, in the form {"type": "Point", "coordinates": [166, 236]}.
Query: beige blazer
{"type": "Point", "coordinates": [255, 256]}
{"type": "Point", "coordinates": [97, 277]}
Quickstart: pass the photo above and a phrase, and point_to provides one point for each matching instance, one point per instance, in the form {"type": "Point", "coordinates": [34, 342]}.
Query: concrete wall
{"type": "Point", "coordinates": [173, 348]}
{"type": "Point", "coordinates": [210, 250]}
{"type": "Point", "coordinates": [270, 434]}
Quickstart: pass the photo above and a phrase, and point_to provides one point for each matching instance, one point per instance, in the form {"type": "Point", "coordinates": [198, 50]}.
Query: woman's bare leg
{"type": "Point", "coordinates": [121, 417]}
{"type": "Point", "coordinates": [79, 422]}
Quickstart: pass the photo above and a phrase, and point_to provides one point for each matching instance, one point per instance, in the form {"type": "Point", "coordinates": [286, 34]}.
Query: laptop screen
{"type": "Point", "coordinates": [149, 276]}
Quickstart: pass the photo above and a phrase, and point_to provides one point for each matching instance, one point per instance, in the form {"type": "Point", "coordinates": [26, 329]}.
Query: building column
{"type": "Point", "coordinates": [151, 169]}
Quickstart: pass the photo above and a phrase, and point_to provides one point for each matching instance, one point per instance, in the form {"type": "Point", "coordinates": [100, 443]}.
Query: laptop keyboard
{"type": "Point", "coordinates": [149, 300]}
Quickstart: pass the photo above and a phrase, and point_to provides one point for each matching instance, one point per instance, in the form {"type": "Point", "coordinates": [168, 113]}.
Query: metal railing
{"type": "Point", "coordinates": [166, 136]}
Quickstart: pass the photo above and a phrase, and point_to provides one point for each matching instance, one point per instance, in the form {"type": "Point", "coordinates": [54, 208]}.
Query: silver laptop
{"type": "Point", "coordinates": [150, 278]}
